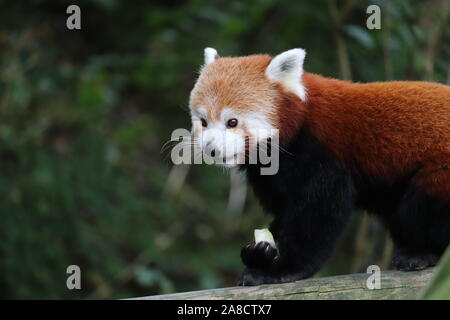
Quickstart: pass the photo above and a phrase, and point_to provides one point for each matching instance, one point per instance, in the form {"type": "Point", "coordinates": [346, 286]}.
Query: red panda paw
{"type": "Point", "coordinates": [251, 277]}
{"type": "Point", "coordinates": [414, 262]}
{"type": "Point", "coordinates": [261, 255]}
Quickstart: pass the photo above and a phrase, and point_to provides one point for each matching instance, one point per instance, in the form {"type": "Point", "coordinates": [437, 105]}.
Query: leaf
{"type": "Point", "coordinates": [360, 35]}
{"type": "Point", "coordinates": [439, 288]}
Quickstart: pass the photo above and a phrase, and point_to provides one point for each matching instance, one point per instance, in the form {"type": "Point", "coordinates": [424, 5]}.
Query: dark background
{"type": "Point", "coordinates": [84, 115]}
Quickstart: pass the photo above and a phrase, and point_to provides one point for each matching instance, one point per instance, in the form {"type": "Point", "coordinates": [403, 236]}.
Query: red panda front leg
{"type": "Point", "coordinates": [305, 240]}
{"type": "Point", "coordinates": [319, 202]}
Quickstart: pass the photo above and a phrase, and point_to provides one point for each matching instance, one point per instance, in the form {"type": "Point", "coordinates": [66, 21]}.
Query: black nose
{"type": "Point", "coordinates": [213, 152]}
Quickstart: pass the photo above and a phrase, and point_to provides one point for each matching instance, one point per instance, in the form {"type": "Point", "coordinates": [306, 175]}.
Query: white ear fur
{"type": "Point", "coordinates": [286, 69]}
{"type": "Point", "coordinates": [210, 55]}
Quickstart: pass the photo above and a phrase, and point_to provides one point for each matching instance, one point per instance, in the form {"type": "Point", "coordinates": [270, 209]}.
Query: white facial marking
{"type": "Point", "coordinates": [259, 125]}
{"type": "Point", "coordinates": [287, 69]}
{"type": "Point", "coordinates": [227, 114]}
{"type": "Point", "coordinates": [225, 144]}
{"type": "Point", "coordinates": [228, 145]}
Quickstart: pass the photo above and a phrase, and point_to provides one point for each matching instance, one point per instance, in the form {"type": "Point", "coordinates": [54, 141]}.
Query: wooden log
{"type": "Point", "coordinates": [394, 285]}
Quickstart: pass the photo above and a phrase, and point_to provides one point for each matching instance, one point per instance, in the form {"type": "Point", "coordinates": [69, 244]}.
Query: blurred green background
{"type": "Point", "coordinates": [84, 115]}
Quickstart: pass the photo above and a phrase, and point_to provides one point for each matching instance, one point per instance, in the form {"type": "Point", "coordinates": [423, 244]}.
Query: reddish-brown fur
{"type": "Point", "coordinates": [238, 83]}
{"type": "Point", "coordinates": [385, 129]}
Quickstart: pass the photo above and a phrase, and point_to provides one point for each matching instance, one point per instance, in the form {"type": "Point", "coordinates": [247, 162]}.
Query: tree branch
{"type": "Point", "coordinates": [394, 285]}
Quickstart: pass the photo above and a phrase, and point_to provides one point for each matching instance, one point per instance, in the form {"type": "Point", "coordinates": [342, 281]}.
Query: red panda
{"type": "Point", "coordinates": [383, 147]}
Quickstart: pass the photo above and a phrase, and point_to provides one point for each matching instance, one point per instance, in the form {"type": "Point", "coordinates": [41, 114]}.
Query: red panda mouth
{"type": "Point", "coordinates": [229, 162]}
{"type": "Point", "coordinates": [229, 159]}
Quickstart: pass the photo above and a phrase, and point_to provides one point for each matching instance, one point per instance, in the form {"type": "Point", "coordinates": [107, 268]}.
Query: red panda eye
{"type": "Point", "coordinates": [204, 123]}
{"type": "Point", "coordinates": [232, 123]}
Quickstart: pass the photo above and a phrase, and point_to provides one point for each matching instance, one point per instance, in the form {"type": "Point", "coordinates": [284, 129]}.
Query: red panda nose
{"type": "Point", "coordinates": [212, 151]}
{"type": "Point", "coordinates": [215, 153]}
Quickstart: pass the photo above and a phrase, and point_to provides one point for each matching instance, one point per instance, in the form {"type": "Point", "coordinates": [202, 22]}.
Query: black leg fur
{"type": "Point", "coordinates": [420, 230]}
{"type": "Point", "coordinates": [413, 260]}
{"type": "Point", "coordinates": [311, 198]}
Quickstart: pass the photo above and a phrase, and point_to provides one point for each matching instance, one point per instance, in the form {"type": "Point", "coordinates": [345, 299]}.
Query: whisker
{"type": "Point", "coordinates": [184, 139]}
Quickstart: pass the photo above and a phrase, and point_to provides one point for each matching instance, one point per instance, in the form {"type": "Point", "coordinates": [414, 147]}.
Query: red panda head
{"type": "Point", "coordinates": [243, 100]}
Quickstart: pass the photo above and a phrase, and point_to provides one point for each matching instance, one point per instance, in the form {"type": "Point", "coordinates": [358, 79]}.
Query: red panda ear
{"type": "Point", "coordinates": [210, 55]}
{"type": "Point", "coordinates": [286, 69]}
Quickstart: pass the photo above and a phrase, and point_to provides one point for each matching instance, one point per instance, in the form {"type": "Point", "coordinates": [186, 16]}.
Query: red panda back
{"type": "Point", "coordinates": [386, 129]}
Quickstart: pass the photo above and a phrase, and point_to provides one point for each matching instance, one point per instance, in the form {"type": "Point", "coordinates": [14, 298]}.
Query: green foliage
{"type": "Point", "coordinates": [439, 288]}
{"type": "Point", "coordinates": [84, 115]}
